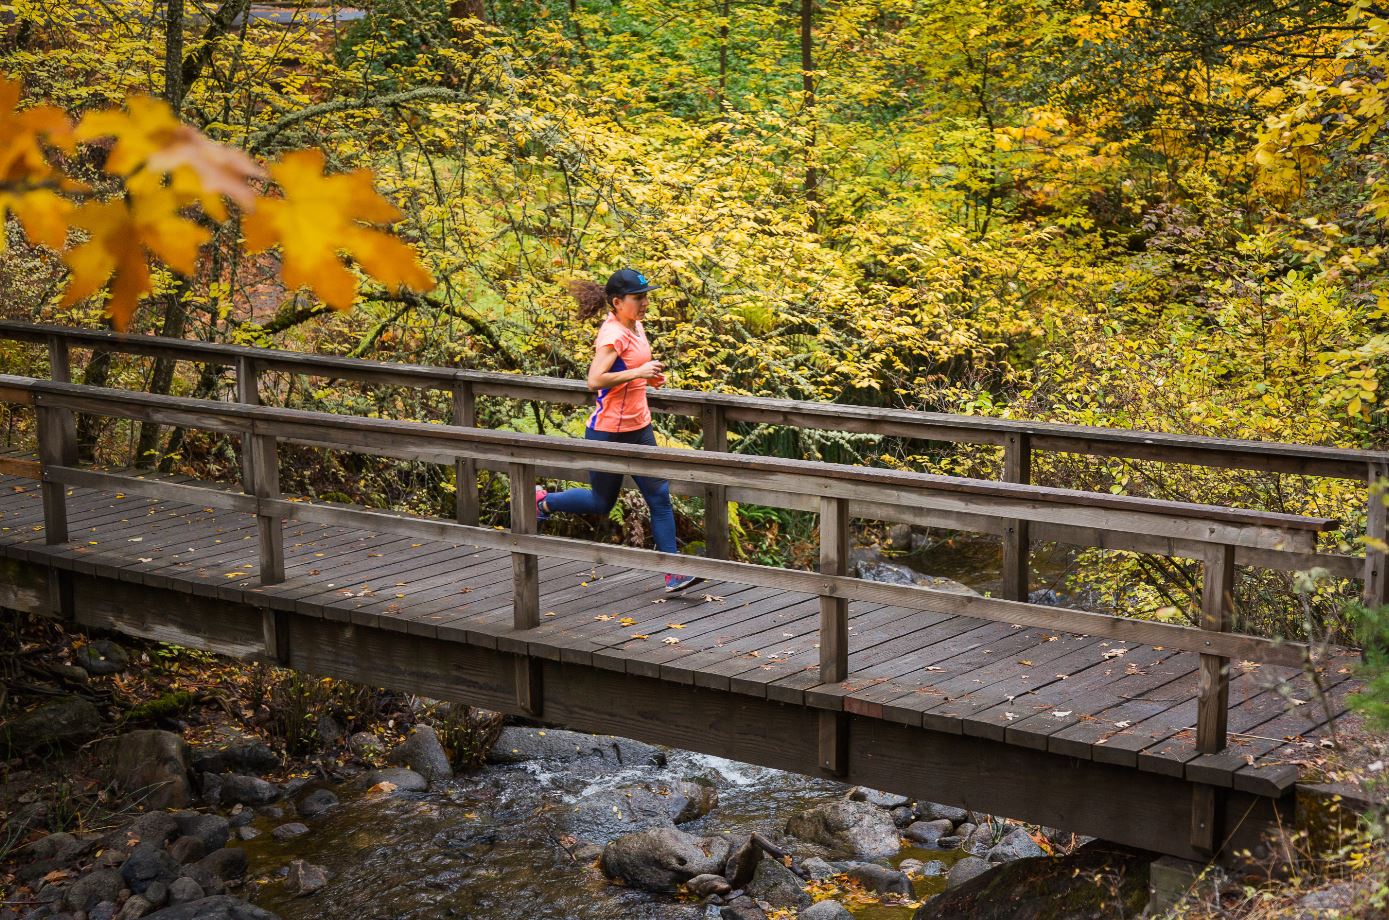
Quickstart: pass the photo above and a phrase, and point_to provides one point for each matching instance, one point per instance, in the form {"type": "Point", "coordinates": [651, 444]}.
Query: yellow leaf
{"type": "Point", "coordinates": [627, 621]}
{"type": "Point", "coordinates": [44, 214]}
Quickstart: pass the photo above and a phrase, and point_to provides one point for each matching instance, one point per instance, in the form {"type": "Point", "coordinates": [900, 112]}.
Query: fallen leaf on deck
{"type": "Point", "coordinates": [1024, 662]}
{"type": "Point", "coordinates": [1061, 714]}
{"type": "Point", "coordinates": [1116, 652]}
{"type": "Point", "coordinates": [1124, 724]}
{"type": "Point", "coordinates": [627, 621]}
{"type": "Point", "coordinates": [676, 625]}
{"type": "Point", "coordinates": [640, 636]}
{"type": "Point", "coordinates": [603, 617]}
{"type": "Point", "coordinates": [671, 641]}
{"type": "Point", "coordinates": [1009, 716]}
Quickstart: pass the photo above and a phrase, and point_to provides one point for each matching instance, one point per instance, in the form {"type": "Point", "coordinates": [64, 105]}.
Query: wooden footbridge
{"type": "Point", "coordinates": [1183, 740]}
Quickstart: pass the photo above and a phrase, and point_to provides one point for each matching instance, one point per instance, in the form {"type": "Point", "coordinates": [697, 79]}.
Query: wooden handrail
{"type": "Point", "coordinates": [1218, 531]}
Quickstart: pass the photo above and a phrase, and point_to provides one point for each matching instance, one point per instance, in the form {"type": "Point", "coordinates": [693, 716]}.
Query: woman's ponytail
{"type": "Point", "coordinates": [592, 298]}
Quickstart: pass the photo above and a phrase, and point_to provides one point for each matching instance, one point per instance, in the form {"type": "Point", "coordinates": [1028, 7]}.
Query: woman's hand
{"type": "Point", "coordinates": [651, 370]}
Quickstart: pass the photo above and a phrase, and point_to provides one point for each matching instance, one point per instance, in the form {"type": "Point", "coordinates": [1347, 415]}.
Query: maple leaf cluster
{"type": "Point", "coordinates": [173, 182]}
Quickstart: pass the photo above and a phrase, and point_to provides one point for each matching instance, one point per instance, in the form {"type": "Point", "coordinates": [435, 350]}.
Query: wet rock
{"type": "Point", "coordinates": [211, 786]}
{"type": "Point", "coordinates": [928, 833]}
{"type": "Point", "coordinates": [777, 885]}
{"type": "Point", "coordinates": [212, 830]}
{"type": "Point", "coordinates": [157, 827]}
{"type": "Point", "coordinates": [215, 870]}
{"type": "Point", "coordinates": [247, 833]}
{"type": "Point", "coordinates": [290, 830]}
{"type": "Point", "coordinates": [949, 585]}
{"type": "Point", "coordinates": [188, 849]}
{"type": "Point", "coordinates": [317, 802]}
{"type": "Point", "coordinates": [742, 862]}
{"type": "Point", "coordinates": [423, 753]}
{"type": "Point", "coordinates": [244, 755]}
{"type": "Point", "coordinates": [183, 890]}
{"type": "Point", "coordinates": [888, 573]}
{"type": "Point", "coordinates": [852, 827]}
{"type": "Point", "coordinates": [662, 858]}
{"type": "Point", "coordinates": [102, 656]}
{"type": "Point", "coordinates": [1016, 844]}
{"type": "Point", "coordinates": [93, 888]}
{"type": "Point", "coordinates": [146, 864]}
{"type": "Point", "coordinates": [238, 788]}
{"type": "Point", "coordinates": [517, 744]}
{"type": "Point", "coordinates": [903, 815]}
{"type": "Point", "coordinates": [888, 800]}
{"type": "Point", "coordinates": [366, 745]}
{"type": "Point", "coordinates": [879, 879]}
{"type": "Point", "coordinates": [980, 841]}
{"type": "Point", "coordinates": [825, 910]}
{"type": "Point", "coordinates": [273, 812]}
{"type": "Point", "coordinates": [966, 869]}
{"type": "Point", "coordinates": [59, 848]}
{"type": "Point", "coordinates": [1096, 882]}
{"type": "Point", "coordinates": [136, 907]}
{"type": "Point", "coordinates": [965, 830]}
{"type": "Point", "coordinates": [931, 811]}
{"type": "Point", "coordinates": [66, 720]}
{"type": "Point", "coordinates": [156, 894]}
{"type": "Point", "coordinates": [602, 816]}
{"type": "Point", "coordinates": [817, 868]}
{"type": "Point", "coordinates": [106, 910]}
{"type": "Point", "coordinates": [305, 878]}
{"type": "Point", "coordinates": [702, 886]}
{"type": "Point", "coordinates": [402, 779]}
{"type": "Point", "coordinates": [741, 908]}
{"type": "Point", "coordinates": [240, 816]}
{"type": "Point", "coordinates": [219, 907]}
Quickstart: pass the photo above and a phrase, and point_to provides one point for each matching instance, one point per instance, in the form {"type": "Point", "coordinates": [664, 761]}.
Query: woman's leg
{"type": "Point", "coordinates": [657, 495]}
{"type": "Point", "coordinates": [596, 500]}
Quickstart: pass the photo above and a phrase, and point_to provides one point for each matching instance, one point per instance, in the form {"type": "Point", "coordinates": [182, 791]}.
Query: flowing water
{"type": "Point", "coordinates": [492, 845]}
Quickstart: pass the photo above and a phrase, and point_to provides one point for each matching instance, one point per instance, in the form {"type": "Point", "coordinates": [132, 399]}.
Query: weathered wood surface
{"type": "Point", "coordinates": [1036, 688]}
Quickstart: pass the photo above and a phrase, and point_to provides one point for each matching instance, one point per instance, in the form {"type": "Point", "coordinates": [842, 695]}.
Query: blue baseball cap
{"type": "Point", "coordinates": [627, 281]}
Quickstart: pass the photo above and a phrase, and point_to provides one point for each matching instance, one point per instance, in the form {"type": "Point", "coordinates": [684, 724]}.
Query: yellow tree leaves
{"type": "Point", "coordinates": [169, 184]}
{"type": "Point", "coordinates": [317, 217]}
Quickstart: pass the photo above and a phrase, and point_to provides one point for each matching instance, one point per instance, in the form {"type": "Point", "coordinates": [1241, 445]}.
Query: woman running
{"type": "Point", "coordinates": [621, 371]}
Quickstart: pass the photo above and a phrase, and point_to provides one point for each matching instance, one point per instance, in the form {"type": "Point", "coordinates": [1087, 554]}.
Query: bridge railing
{"type": "Point", "coordinates": [1019, 440]}
{"type": "Point", "coordinates": [1217, 534]}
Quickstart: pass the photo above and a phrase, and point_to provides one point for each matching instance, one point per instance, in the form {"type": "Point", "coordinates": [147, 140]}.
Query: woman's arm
{"type": "Point", "coordinates": [601, 376]}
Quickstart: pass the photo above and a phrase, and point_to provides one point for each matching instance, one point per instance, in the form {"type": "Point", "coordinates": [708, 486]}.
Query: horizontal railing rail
{"type": "Point", "coordinates": [1217, 532]}
{"type": "Point", "coordinates": [1019, 439]}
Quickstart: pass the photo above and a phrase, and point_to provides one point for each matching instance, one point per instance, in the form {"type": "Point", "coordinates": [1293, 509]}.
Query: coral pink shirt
{"type": "Point", "coordinates": [623, 407]}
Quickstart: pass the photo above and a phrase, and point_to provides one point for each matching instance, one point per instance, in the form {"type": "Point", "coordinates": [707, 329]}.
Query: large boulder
{"type": "Point", "coordinates": [516, 744]}
{"type": "Point", "coordinates": [218, 907]}
{"type": "Point", "coordinates": [239, 789]}
{"type": "Point", "coordinates": [604, 815]}
{"type": "Point", "coordinates": [1099, 881]}
{"type": "Point", "coordinates": [662, 858]}
{"type": "Point", "coordinates": [934, 811]}
{"type": "Point", "coordinates": [880, 879]}
{"type": "Point", "coordinates": [213, 830]}
{"type": "Point", "coordinates": [970, 867]}
{"type": "Point", "coordinates": [242, 755]}
{"type": "Point", "coordinates": [93, 888]}
{"type": "Point", "coordinates": [147, 864]}
{"type": "Point", "coordinates": [151, 766]}
{"type": "Point", "coordinates": [102, 656]}
{"type": "Point", "coordinates": [928, 833]}
{"type": "Point", "coordinates": [423, 753]}
{"type": "Point", "coordinates": [888, 800]}
{"type": "Point", "coordinates": [1016, 844]}
{"type": "Point", "coordinates": [66, 720]}
{"type": "Point", "coordinates": [848, 827]}
{"type": "Point", "coordinates": [317, 802]}
{"type": "Point", "coordinates": [778, 886]}
{"type": "Point", "coordinates": [215, 870]}
{"type": "Point", "coordinates": [400, 778]}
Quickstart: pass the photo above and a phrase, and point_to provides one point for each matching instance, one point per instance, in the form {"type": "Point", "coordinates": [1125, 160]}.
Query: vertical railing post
{"type": "Point", "coordinates": [1217, 603]}
{"type": "Point", "coordinates": [525, 569]}
{"type": "Point", "coordinates": [55, 442]}
{"type": "Point", "coordinates": [264, 482]}
{"type": "Point", "coordinates": [60, 371]}
{"type": "Point", "coordinates": [1017, 541]}
{"type": "Point", "coordinates": [716, 536]}
{"type": "Point", "coordinates": [248, 394]}
{"type": "Point", "coordinates": [834, 633]}
{"type": "Point", "coordinates": [467, 502]}
{"type": "Point", "coordinates": [1377, 530]}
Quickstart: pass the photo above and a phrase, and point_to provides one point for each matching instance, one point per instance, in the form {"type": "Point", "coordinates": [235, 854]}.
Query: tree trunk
{"type": "Point", "coordinates": [808, 95]}
{"type": "Point", "coordinates": [723, 53]}
{"type": "Point", "coordinates": [173, 55]}
{"type": "Point", "coordinates": [175, 324]}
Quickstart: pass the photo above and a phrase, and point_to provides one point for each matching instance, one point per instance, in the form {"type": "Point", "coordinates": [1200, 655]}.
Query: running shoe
{"type": "Point", "coordinates": [540, 513]}
{"type": "Point", "coordinates": [681, 582]}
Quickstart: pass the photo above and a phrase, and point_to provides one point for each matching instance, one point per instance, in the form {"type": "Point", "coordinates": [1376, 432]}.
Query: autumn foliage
{"type": "Point", "coordinates": [167, 181]}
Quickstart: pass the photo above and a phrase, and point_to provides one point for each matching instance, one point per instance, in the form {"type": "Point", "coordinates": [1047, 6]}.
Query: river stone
{"type": "Point", "coordinates": [213, 830]}
{"type": "Point", "coordinates": [65, 720]}
{"type": "Point", "coordinates": [818, 868]}
{"type": "Point", "coordinates": [188, 849]}
{"type": "Point", "coordinates": [743, 857]}
{"type": "Point", "coordinates": [102, 656]}
{"type": "Point", "coordinates": [777, 885]}
{"type": "Point", "coordinates": [932, 811]}
{"type": "Point", "coordinates": [662, 858]}
{"type": "Point", "coordinates": [60, 848]}
{"type": "Point", "coordinates": [183, 890]}
{"type": "Point", "coordinates": [888, 800]}
{"type": "Point", "coordinates": [317, 802]}
{"type": "Point", "coordinates": [852, 827]}
{"type": "Point", "coordinates": [156, 894]}
{"type": "Point", "coordinates": [402, 779]}
{"type": "Point", "coordinates": [928, 833]}
{"type": "Point", "coordinates": [305, 878]}
{"type": "Point", "coordinates": [330, 730]}
{"type": "Point", "coordinates": [366, 745]}
{"type": "Point", "coordinates": [887, 573]}
{"type": "Point", "coordinates": [903, 815]}
{"type": "Point", "coordinates": [879, 879]}
{"type": "Point", "coordinates": [240, 789]}
{"type": "Point", "coordinates": [966, 869]}
{"type": "Point", "coordinates": [423, 753]}
{"type": "Point", "coordinates": [146, 864]}
{"type": "Point", "coordinates": [219, 907]}
{"type": "Point", "coordinates": [741, 908]}
{"type": "Point", "coordinates": [245, 755]}
{"type": "Point", "coordinates": [93, 888]}
{"type": "Point", "coordinates": [287, 831]}
{"type": "Point", "coordinates": [825, 910]}
{"type": "Point", "coordinates": [980, 841]}
{"type": "Point", "coordinates": [156, 827]}
{"type": "Point", "coordinates": [1099, 881]}
{"type": "Point", "coordinates": [135, 907]}
{"type": "Point", "coordinates": [517, 744]}
{"type": "Point", "coordinates": [106, 910]}
{"type": "Point", "coordinates": [604, 815]}
{"type": "Point", "coordinates": [247, 833]}
{"type": "Point", "coordinates": [702, 886]}
{"type": "Point", "coordinates": [1016, 844]}
{"type": "Point", "coordinates": [214, 870]}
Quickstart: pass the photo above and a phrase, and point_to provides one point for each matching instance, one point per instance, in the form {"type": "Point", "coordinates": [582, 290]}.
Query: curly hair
{"type": "Point", "coordinates": [591, 297]}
